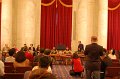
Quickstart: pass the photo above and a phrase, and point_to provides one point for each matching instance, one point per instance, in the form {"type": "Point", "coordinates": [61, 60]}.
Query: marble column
{"type": "Point", "coordinates": [37, 21]}
{"type": "Point", "coordinates": [92, 20]}
{"type": "Point", "coordinates": [81, 23]}
{"type": "Point", "coordinates": [75, 8]}
{"type": "Point", "coordinates": [102, 22]}
{"type": "Point", "coordinates": [25, 22]}
{"type": "Point", "coordinates": [6, 23]}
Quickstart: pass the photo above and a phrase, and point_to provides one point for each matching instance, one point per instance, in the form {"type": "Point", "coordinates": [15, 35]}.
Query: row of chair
{"type": "Point", "coordinates": [113, 70]}
{"type": "Point", "coordinates": [15, 73]}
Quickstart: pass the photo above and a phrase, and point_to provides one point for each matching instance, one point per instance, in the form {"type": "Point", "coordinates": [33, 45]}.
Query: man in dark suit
{"type": "Point", "coordinates": [93, 52]}
{"type": "Point", "coordinates": [32, 49]}
{"type": "Point", "coordinates": [80, 47]}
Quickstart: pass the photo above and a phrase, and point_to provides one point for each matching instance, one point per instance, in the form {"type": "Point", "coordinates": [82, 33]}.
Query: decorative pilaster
{"type": "Point", "coordinates": [102, 22]}
{"type": "Point", "coordinates": [6, 23]}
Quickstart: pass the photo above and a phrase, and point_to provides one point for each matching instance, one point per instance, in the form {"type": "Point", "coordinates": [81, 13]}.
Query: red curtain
{"type": "Point", "coordinates": [56, 24]}
{"type": "Point", "coordinates": [113, 24]}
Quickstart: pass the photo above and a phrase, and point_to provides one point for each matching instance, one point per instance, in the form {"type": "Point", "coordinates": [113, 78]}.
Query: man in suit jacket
{"type": "Point", "coordinates": [93, 52]}
{"type": "Point", "coordinates": [80, 47]}
{"type": "Point", "coordinates": [32, 49]}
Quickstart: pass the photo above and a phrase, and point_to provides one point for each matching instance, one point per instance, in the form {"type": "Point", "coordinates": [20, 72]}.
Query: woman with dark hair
{"type": "Point", "coordinates": [20, 60]}
{"type": "Point", "coordinates": [10, 58]}
{"type": "Point", "coordinates": [42, 71]}
{"type": "Point", "coordinates": [112, 54]}
{"type": "Point", "coordinates": [77, 65]}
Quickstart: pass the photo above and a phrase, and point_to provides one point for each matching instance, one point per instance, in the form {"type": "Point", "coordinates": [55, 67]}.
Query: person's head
{"type": "Point", "coordinates": [94, 39]}
{"type": "Point", "coordinates": [75, 55]}
{"type": "Point", "coordinates": [25, 48]}
{"type": "Point", "coordinates": [31, 45]}
{"type": "Point", "coordinates": [0, 56]}
{"type": "Point", "coordinates": [38, 45]}
{"type": "Point", "coordinates": [20, 57]}
{"type": "Point", "coordinates": [12, 51]}
{"type": "Point", "coordinates": [25, 44]}
{"type": "Point", "coordinates": [47, 51]}
{"type": "Point", "coordinates": [113, 52]}
{"type": "Point", "coordinates": [42, 50]}
{"type": "Point", "coordinates": [44, 61]}
{"type": "Point", "coordinates": [79, 42]}
{"type": "Point", "coordinates": [67, 48]}
{"type": "Point", "coordinates": [6, 45]}
{"type": "Point", "coordinates": [54, 48]}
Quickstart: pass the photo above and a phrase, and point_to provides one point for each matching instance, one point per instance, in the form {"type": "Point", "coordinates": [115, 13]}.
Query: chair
{"type": "Point", "coordinates": [8, 63]}
{"type": "Point", "coordinates": [14, 76]}
{"type": "Point", "coordinates": [35, 64]}
{"type": "Point", "coordinates": [115, 64]}
{"type": "Point", "coordinates": [22, 69]}
{"type": "Point", "coordinates": [113, 72]}
{"type": "Point", "coordinates": [9, 69]}
{"type": "Point", "coordinates": [115, 60]}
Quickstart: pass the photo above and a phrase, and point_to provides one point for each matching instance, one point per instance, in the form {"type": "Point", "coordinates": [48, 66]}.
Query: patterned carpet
{"type": "Point", "coordinates": [62, 72]}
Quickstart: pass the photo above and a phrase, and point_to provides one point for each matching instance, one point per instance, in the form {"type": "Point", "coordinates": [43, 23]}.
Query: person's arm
{"type": "Point", "coordinates": [86, 50]}
{"type": "Point", "coordinates": [2, 69]}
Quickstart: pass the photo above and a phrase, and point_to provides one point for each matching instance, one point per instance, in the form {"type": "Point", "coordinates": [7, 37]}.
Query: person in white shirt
{"type": "Point", "coordinates": [1, 66]}
{"type": "Point", "coordinates": [10, 58]}
{"type": "Point", "coordinates": [112, 54]}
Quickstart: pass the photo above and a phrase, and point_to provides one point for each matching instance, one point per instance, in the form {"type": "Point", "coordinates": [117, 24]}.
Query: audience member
{"type": "Point", "coordinates": [23, 48]}
{"type": "Point", "coordinates": [54, 51]}
{"type": "Point", "coordinates": [67, 51]}
{"type": "Point", "coordinates": [28, 54]}
{"type": "Point", "coordinates": [38, 48]}
{"type": "Point", "coordinates": [21, 60]}
{"type": "Point", "coordinates": [103, 65]}
{"type": "Point", "coordinates": [77, 65]}
{"type": "Point", "coordinates": [1, 67]}
{"type": "Point", "coordinates": [5, 50]}
{"type": "Point", "coordinates": [40, 54]}
{"type": "Point", "coordinates": [112, 54]}
{"type": "Point", "coordinates": [10, 58]}
{"type": "Point", "coordinates": [16, 49]}
{"type": "Point", "coordinates": [32, 49]}
{"type": "Point", "coordinates": [93, 52]}
{"type": "Point", "coordinates": [42, 72]}
{"type": "Point", "coordinates": [47, 53]}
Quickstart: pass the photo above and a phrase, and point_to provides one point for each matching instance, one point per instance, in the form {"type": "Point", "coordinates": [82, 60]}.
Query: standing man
{"type": "Point", "coordinates": [93, 52]}
{"type": "Point", "coordinates": [80, 47]}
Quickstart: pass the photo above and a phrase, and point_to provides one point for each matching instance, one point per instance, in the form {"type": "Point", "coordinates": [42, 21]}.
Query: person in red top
{"type": "Point", "coordinates": [77, 65]}
{"type": "Point", "coordinates": [28, 55]}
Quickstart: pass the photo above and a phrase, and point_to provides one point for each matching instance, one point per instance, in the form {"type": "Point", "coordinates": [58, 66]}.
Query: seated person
{"type": "Point", "coordinates": [77, 65]}
{"type": "Point", "coordinates": [1, 67]}
{"type": "Point", "coordinates": [42, 71]}
{"type": "Point", "coordinates": [40, 54]}
{"type": "Point", "coordinates": [21, 60]}
{"type": "Point", "coordinates": [54, 51]}
{"type": "Point", "coordinates": [103, 65]}
{"type": "Point", "coordinates": [28, 55]}
{"type": "Point", "coordinates": [47, 53]}
{"type": "Point", "coordinates": [67, 51]}
{"type": "Point", "coordinates": [10, 58]}
{"type": "Point", "coordinates": [112, 54]}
